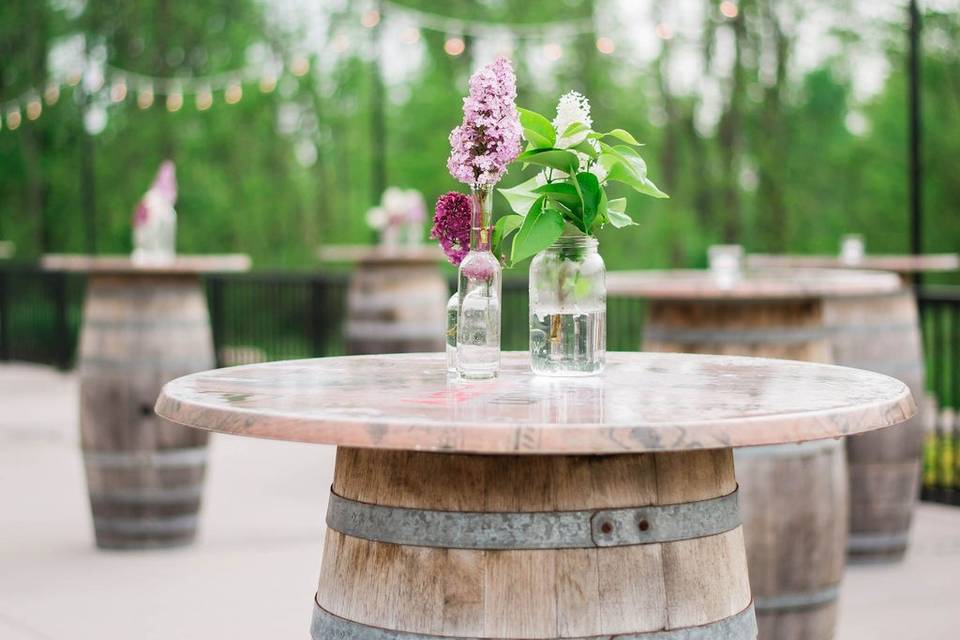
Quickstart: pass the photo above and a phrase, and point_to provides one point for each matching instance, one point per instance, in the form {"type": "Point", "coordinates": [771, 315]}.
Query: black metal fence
{"type": "Point", "coordinates": [270, 316]}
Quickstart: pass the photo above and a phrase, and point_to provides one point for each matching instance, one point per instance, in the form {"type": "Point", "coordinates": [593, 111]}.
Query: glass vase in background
{"type": "Point", "coordinates": [155, 234]}
{"type": "Point", "coordinates": [479, 287]}
{"type": "Point", "coordinates": [726, 264]}
{"type": "Point", "coordinates": [453, 310]}
{"type": "Point", "coordinates": [852, 249]}
{"type": "Point", "coordinates": [568, 309]}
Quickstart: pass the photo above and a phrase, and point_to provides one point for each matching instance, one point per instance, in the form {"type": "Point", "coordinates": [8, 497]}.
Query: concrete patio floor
{"type": "Point", "coordinates": [252, 572]}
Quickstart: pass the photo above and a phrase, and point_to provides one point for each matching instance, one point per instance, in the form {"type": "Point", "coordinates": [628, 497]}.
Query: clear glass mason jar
{"type": "Point", "coordinates": [453, 311]}
{"type": "Point", "coordinates": [568, 309]}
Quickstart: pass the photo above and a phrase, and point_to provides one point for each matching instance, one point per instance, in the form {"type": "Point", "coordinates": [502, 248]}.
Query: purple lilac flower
{"type": "Point", "coordinates": [451, 225]}
{"type": "Point", "coordinates": [489, 138]}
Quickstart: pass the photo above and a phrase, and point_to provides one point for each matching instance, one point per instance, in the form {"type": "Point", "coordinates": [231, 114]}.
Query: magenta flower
{"type": "Point", "coordinates": [489, 138]}
{"type": "Point", "coordinates": [451, 225]}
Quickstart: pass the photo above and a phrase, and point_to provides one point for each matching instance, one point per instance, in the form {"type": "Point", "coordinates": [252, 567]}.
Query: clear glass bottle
{"type": "Point", "coordinates": [568, 309]}
{"type": "Point", "coordinates": [479, 292]}
{"type": "Point", "coordinates": [453, 310]}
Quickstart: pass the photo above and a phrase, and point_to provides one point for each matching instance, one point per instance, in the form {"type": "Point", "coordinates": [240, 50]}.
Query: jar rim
{"type": "Point", "coordinates": [572, 242]}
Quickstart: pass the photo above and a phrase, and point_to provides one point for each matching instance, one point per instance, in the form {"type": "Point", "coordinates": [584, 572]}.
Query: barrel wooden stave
{"type": "Point", "coordinates": [144, 474]}
{"type": "Point", "coordinates": [396, 307]}
{"type": "Point", "coordinates": [881, 333]}
{"type": "Point", "coordinates": [539, 593]}
{"type": "Point", "coordinates": [794, 547]}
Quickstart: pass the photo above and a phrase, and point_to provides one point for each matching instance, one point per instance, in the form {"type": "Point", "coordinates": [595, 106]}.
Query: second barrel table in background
{"type": "Point", "coordinates": [142, 326]}
{"type": "Point", "coordinates": [794, 498]}
{"type": "Point", "coordinates": [397, 298]}
{"type": "Point", "coordinates": [880, 334]}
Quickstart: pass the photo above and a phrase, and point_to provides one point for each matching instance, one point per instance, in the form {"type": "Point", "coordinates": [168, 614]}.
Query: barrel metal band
{"type": "Point", "coordinates": [798, 600]}
{"type": "Point", "coordinates": [192, 457]}
{"type": "Point", "coordinates": [172, 525]}
{"type": "Point", "coordinates": [533, 530]}
{"type": "Point", "coordinates": [740, 626]}
{"type": "Point", "coordinates": [866, 542]}
{"type": "Point", "coordinates": [147, 495]}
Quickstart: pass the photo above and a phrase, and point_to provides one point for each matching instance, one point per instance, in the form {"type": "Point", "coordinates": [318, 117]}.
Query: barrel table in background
{"type": "Point", "coordinates": [396, 300]}
{"type": "Point", "coordinates": [529, 507]}
{"type": "Point", "coordinates": [794, 497]}
{"type": "Point", "coordinates": [880, 334]}
{"type": "Point", "coordinates": [142, 326]}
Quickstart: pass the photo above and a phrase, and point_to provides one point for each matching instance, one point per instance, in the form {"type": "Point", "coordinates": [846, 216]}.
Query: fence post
{"type": "Point", "coordinates": [317, 328]}
{"type": "Point", "coordinates": [4, 317]}
{"type": "Point", "coordinates": [61, 328]}
{"type": "Point", "coordinates": [215, 283]}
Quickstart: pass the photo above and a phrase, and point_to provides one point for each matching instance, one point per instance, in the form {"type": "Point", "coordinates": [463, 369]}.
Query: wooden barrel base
{"type": "Point", "coordinates": [881, 333]}
{"type": "Point", "coordinates": [144, 474]}
{"type": "Point", "coordinates": [644, 546]}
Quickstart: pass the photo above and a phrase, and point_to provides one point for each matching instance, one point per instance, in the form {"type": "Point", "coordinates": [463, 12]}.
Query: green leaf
{"type": "Point", "coordinates": [625, 136]}
{"type": "Point", "coordinates": [624, 164]}
{"type": "Point", "coordinates": [573, 129]}
{"type": "Point", "coordinates": [617, 213]}
{"type": "Point", "coordinates": [587, 149]}
{"type": "Point", "coordinates": [565, 161]}
{"type": "Point", "coordinates": [619, 173]}
{"type": "Point", "coordinates": [562, 192]}
{"type": "Point", "coordinates": [541, 228]}
{"type": "Point", "coordinates": [502, 230]}
{"type": "Point", "coordinates": [591, 195]}
{"type": "Point", "coordinates": [537, 130]}
{"type": "Point", "coordinates": [522, 196]}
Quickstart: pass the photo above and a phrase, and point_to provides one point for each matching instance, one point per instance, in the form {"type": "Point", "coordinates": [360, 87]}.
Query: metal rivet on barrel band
{"type": "Point", "coordinates": [740, 626]}
{"type": "Point", "coordinates": [533, 530]}
{"type": "Point", "coordinates": [798, 600]}
{"type": "Point", "coordinates": [191, 457]}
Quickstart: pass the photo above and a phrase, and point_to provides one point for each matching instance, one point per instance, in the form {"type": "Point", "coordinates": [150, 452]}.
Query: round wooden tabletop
{"type": "Point", "coordinates": [766, 284]}
{"type": "Point", "coordinates": [124, 265]}
{"type": "Point", "coordinates": [372, 254]}
{"type": "Point", "coordinates": [903, 264]}
{"type": "Point", "coordinates": [642, 402]}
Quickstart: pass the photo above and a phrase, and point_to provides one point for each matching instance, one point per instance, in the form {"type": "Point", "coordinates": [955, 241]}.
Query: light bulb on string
{"type": "Point", "coordinates": [13, 118]}
{"type": "Point", "coordinates": [34, 108]}
{"type": "Point", "coordinates": [729, 9]}
{"type": "Point", "coordinates": [204, 99]}
{"type": "Point", "coordinates": [370, 18]}
{"type": "Point", "coordinates": [340, 43]}
{"type": "Point", "coordinates": [605, 45]}
{"type": "Point", "coordinates": [118, 91]}
{"type": "Point", "coordinates": [300, 66]}
{"type": "Point", "coordinates": [268, 83]}
{"type": "Point", "coordinates": [454, 46]}
{"type": "Point", "coordinates": [74, 78]}
{"type": "Point", "coordinates": [51, 94]}
{"type": "Point", "coordinates": [552, 51]}
{"type": "Point", "coordinates": [410, 35]}
{"type": "Point", "coordinates": [233, 93]}
{"type": "Point", "coordinates": [145, 97]}
{"type": "Point", "coordinates": [174, 100]}
{"type": "Point", "coordinates": [664, 32]}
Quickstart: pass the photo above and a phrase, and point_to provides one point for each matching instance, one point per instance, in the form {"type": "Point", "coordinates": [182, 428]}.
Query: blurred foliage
{"type": "Point", "coordinates": [777, 169]}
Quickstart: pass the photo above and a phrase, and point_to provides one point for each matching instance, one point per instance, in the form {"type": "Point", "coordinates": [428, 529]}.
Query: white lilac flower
{"type": "Point", "coordinates": [572, 107]}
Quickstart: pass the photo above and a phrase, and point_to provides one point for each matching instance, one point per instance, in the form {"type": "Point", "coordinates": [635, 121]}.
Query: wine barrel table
{"type": "Point", "coordinates": [142, 326]}
{"type": "Point", "coordinates": [794, 499]}
{"type": "Point", "coordinates": [525, 507]}
{"type": "Point", "coordinates": [880, 334]}
{"type": "Point", "coordinates": [396, 300]}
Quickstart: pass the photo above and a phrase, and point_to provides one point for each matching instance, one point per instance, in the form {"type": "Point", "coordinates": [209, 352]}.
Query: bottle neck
{"type": "Point", "coordinates": [481, 218]}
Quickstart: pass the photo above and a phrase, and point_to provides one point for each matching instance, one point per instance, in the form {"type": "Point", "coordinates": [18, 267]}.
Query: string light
{"type": "Point", "coordinates": [340, 43]}
{"type": "Point", "coordinates": [74, 78]}
{"type": "Point", "coordinates": [605, 45]}
{"type": "Point", "coordinates": [300, 66]}
{"type": "Point", "coordinates": [370, 18]}
{"type": "Point", "coordinates": [118, 92]}
{"type": "Point", "coordinates": [268, 83]}
{"type": "Point", "coordinates": [174, 101]}
{"type": "Point", "coordinates": [729, 9]}
{"type": "Point", "coordinates": [454, 46]}
{"type": "Point", "coordinates": [664, 32]}
{"type": "Point", "coordinates": [34, 108]}
{"type": "Point", "coordinates": [145, 97]}
{"type": "Point", "coordinates": [552, 51]}
{"type": "Point", "coordinates": [233, 93]}
{"type": "Point", "coordinates": [13, 118]}
{"type": "Point", "coordinates": [410, 35]}
{"type": "Point", "coordinates": [51, 94]}
{"type": "Point", "coordinates": [204, 99]}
